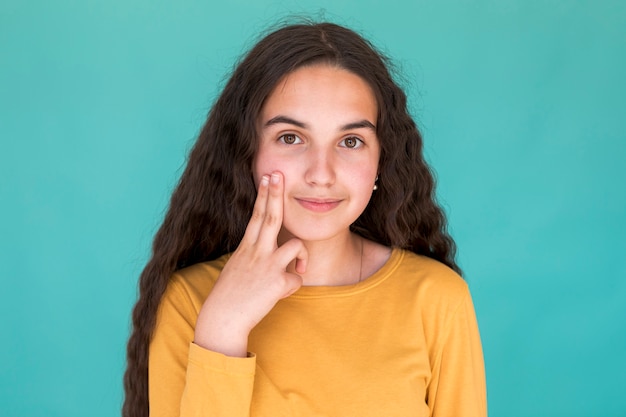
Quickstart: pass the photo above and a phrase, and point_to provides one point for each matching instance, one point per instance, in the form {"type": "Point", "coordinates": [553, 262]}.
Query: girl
{"type": "Point", "coordinates": [303, 267]}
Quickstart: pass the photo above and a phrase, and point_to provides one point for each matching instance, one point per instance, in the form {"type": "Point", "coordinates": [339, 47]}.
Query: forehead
{"type": "Point", "coordinates": [320, 90]}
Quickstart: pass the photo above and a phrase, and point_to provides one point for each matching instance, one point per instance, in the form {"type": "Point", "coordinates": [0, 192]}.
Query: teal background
{"type": "Point", "coordinates": [522, 107]}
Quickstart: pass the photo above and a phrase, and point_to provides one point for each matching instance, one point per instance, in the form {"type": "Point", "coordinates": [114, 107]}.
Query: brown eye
{"type": "Point", "coordinates": [352, 142]}
{"type": "Point", "coordinates": [290, 139]}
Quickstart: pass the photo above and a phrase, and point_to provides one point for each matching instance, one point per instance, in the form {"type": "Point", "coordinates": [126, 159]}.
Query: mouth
{"type": "Point", "coordinates": [318, 205]}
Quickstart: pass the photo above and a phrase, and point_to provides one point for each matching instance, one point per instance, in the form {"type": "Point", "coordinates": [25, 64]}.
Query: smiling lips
{"type": "Point", "coordinates": [318, 205]}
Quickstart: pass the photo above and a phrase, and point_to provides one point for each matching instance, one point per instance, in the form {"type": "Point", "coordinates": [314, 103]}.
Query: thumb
{"type": "Point", "coordinates": [293, 249]}
{"type": "Point", "coordinates": [293, 282]}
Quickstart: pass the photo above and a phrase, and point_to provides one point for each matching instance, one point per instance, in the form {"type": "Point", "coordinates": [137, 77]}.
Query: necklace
{"type": "Point", "coordinates": [361, 263]}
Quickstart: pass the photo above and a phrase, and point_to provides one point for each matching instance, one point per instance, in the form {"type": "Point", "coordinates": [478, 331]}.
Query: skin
{"type": "Point", "coordinates": [316, 167]}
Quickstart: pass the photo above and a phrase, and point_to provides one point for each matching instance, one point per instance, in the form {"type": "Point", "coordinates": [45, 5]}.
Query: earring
{"type": "Point", "coordinates": [376, 185]}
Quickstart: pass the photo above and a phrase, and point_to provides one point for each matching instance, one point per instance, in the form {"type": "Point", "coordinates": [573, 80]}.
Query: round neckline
{"type": "Point", "coordinates": [343, 290]}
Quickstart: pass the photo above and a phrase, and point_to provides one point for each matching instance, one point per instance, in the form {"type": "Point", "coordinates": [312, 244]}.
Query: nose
{"type": "Point", "coordinates": [320, 169]}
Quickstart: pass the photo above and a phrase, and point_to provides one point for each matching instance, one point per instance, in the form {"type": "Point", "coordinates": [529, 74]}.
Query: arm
{"type": "Point", "coordinates": [255, 277]}
{"type": "Point", "coordinates": [457, 387]}
{"type": "Point", "coordinates": [186, 380]}
{"type": "Point", "coordinates": [214, 375]}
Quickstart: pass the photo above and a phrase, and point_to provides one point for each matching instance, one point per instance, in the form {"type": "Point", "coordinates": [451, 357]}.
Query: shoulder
{"type": "Point", "coordinates": [435, 295]}
{"type": "Point", "coordinates": [428, 273]}
{"type": "Point", "coordinates": [433, 288]}
{"type": "Point", "coordinates": [194, 283]}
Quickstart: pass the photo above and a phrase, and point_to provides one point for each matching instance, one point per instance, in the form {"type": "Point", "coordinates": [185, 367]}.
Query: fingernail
{"type": "Point", "coordinates": [275, 178]}
{"type": "Point", "coordinates": [265, 180]}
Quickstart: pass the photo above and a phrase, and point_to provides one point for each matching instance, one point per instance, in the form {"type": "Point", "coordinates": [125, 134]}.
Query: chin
{"type": "Point", "coordinates": [314, 231]}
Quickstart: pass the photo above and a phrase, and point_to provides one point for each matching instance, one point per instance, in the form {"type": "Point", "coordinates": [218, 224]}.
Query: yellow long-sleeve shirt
{"type": "Point", "coordinates": [403, 342]}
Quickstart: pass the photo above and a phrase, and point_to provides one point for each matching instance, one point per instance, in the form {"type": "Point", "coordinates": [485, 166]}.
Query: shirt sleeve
{"type": "Point", "coordinates": [185, 380]}
{"type": "Point", "coordinates": [457, 387]}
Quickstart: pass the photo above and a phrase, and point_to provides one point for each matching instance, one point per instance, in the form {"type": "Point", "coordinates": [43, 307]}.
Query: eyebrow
{"type": "Point", "coordinates": [361, 124]}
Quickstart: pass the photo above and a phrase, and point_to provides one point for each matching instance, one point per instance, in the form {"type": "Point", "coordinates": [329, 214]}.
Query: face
{"type": "Point", "coordinates": [318, 128]}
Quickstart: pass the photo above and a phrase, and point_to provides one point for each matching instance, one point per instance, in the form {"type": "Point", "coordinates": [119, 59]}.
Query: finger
{"type": "Point", "coordinates": [251, 234]}
{"type": "Point", "coordinates": [293, 283]}
{"type": "Point", "coordinates": [290, 250]}
{"type": "Point", "coordinates": [301, 265]}
{"type": "Point", "coordinates": [273, 218]}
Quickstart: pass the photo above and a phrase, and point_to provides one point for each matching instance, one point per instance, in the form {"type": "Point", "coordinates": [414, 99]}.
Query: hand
{"type": "Point", "coordinates": [254, 278]}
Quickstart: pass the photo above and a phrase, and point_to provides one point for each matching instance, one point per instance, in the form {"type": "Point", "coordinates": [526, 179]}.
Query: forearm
{"type": "Point", "coordinates": [217, 385]}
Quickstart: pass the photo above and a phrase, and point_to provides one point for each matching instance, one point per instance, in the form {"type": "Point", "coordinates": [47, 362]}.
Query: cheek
{"type": "Point", "coordinates": [363, 184]}
{"type": "Point", "coordinates": [262, 165]}
{"type": "Point", "coordinates": [266, 164]}
{"type": "Point", "coordinates": [365, 190]}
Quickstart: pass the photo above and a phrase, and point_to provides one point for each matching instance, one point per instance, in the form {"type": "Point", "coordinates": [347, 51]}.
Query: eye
{"type": "Point", "coordinates": [352, 142]}
{"type": "Point", "coordinates": [290, 139]}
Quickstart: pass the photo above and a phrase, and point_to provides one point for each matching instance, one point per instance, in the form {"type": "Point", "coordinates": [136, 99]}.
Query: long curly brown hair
{"type": "Point", "coordinates": [212, 204]}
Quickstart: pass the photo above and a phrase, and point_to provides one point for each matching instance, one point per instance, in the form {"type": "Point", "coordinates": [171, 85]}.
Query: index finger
{"type": "Point", "coordinates": [258, 212]}
{"type": "Point", "coordinates": [273, 220]}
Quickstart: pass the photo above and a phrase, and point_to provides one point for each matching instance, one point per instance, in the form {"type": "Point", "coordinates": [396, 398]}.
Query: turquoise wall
{"type": "Point", "coordinates": [522, 104]}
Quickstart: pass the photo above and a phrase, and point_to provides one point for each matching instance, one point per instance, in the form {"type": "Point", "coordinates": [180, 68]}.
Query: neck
{"type": "Point", "coordinates": [333, 262]}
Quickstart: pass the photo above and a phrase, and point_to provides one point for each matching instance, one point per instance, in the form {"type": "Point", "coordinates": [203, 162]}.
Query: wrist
{"type": "Point", "coordinates": [226, 338]}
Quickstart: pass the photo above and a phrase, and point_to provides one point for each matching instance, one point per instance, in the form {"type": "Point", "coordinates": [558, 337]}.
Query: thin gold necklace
{"type": "Point", "coordinates": [361, 264]}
